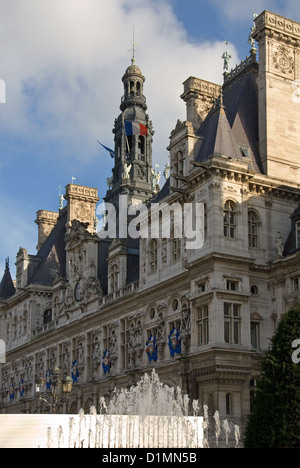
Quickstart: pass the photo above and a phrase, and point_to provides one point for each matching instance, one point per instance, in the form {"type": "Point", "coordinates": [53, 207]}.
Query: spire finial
{"type": "Point", "coordinates": [7, 263]}
{"type": "Point", "coordinates": [133, 49]}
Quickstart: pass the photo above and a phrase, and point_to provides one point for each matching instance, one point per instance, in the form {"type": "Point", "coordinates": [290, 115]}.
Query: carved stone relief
{"type": "Point", "coordinates": [283, 60]}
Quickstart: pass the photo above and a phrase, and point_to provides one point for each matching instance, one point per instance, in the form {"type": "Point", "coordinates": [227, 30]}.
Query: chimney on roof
{"type": "Point", "coordinates": [46, 221]}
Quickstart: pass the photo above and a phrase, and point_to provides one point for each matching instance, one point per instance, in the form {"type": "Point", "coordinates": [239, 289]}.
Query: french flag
{"type": "Point", "coordinates": [135, 128]}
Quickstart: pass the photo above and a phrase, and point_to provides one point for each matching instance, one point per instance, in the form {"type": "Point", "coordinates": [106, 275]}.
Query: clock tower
{"type": "Point", "coordinates": [132, 172]}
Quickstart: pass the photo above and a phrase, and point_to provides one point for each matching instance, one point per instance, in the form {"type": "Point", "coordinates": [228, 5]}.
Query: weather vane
{"type": "Point", "coordinates": [133, 48]}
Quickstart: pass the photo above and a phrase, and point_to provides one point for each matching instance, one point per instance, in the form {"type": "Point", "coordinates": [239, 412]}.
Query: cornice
{"type": "Point", "coordinates": [271, 24]}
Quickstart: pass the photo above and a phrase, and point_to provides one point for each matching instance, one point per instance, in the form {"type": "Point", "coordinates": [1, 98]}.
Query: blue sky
{"type": "Point", "coordinates": [62, 62]}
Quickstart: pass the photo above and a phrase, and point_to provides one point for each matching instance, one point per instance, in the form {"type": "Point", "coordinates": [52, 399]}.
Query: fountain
{"type": "Point", "coordinates": [148, 415]}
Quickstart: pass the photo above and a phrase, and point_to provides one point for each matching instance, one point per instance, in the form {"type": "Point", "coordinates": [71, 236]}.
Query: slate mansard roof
{"type": "Point", "coordinates": [231, 127]}
{"type": "Point", "coordinates": [51, 258]}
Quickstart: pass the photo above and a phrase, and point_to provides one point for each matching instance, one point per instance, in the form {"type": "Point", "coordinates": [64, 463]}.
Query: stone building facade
{"type": "Point", "coordinates": [106, 310]}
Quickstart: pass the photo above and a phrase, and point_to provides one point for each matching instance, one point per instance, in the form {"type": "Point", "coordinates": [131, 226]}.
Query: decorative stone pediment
{"type": "Point", "coordinates": [76, 233]}
{"type": "Point", "coordinates": [256, 316]}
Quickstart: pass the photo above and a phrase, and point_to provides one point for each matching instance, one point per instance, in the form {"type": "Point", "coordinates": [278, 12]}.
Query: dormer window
{"type": "Point", "coordinates": [177, 167]}
{"type": "Point", "coordinates": [47, 316]}
{"type": "Point", "coordinates": [245, 151]}
{"type": "Point", "coordinates": [232, 285]}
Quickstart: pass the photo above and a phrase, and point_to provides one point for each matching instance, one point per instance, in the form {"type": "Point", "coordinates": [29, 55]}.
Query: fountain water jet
{"type": "Point", "coordinates": [148, 415]}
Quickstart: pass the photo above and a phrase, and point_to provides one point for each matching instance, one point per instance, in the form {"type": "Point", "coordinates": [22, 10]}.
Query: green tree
{"type": "Point", "coordinates": [275, 418]}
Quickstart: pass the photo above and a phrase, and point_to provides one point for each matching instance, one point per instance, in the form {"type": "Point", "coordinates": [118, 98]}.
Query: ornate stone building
{"type": "Point", "coordinates": [106, 310]}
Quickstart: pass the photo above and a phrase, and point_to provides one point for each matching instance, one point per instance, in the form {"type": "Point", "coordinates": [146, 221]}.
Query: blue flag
{"type": "Point", "coordinates": [111, 152]}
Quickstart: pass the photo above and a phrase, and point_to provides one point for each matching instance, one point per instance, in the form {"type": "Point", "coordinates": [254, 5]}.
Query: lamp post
{"type": "Point", "coordinates": [56, 384]}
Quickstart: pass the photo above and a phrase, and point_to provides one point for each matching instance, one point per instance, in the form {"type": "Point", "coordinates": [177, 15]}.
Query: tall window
{"type": "Point", "coordinates": [255, 334]}
{"type": "Point", "coordinates": [232, 320]}
{"type": "Point", "coordinates": [253, 229]}
{"type": "Point", "coordinates": [153, 255]}
{"type": "Point", "coordinates": [296, 284]}
{"type": "Point", "coordinates": [230, 219]}
{"type": "Point", "coordinates": [228, 404]}
{"type": "Point", "coordinates": [47, 316]}
{"type": "Point", "coordinates": [298, 235]}
{"type": "Point", "coordinates": [141, 148]}
{"type": "Point", "coordinates": [178, 166]}
{"type": "Point", "coordinates": [114, 278]}
{"type": "Point", "coordinates": [202, 325]}
{"type": "Point", "coordinates": [205, 220]}
{"type": "Point", "coordinates": [175, 244]}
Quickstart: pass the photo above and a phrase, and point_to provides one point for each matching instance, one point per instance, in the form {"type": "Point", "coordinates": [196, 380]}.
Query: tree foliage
{"type": "Point", "coordinates": [275, 418]}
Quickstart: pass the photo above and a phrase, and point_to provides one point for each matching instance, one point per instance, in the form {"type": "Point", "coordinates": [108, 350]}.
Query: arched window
{"type": "Point", "coordinates": [141, 146]}
{"type": "Point", "coordinates": [153, 255]}
{"type": "Point", "coordinates": [230, 219]}
{"type": "Point", "coordinates": [47, 316]}
{"type": "Point", "coordinates": [253, 229]}
{"type": "Point", "coordinates": [132, 88]}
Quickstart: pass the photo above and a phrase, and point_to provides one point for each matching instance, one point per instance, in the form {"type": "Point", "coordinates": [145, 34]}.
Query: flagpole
{"type": "Point", "coordinates": [127, 142]}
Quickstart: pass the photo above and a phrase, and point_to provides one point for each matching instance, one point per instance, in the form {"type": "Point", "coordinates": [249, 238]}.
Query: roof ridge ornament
{"type": "Point", "coordinates": [226, 57]}
{"type": "Point", "coordinates": [251, 41]}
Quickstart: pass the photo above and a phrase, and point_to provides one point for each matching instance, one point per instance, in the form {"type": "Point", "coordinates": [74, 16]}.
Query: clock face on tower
{"type": "Point", "coordinates": [77, 292]}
